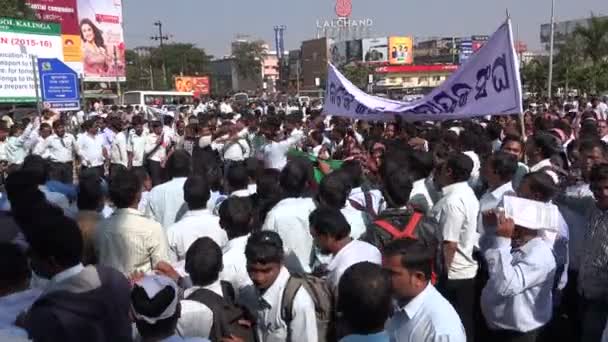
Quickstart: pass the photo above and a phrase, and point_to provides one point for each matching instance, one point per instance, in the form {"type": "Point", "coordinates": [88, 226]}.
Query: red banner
{"type": "Point", "coordinates": [57, 11]}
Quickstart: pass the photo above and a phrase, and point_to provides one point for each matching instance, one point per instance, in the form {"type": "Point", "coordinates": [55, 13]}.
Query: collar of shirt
{"type": "Point", "coordinates": [499, 192]}
{"type": "Point", "coordinates": [453, 188]}
{"type": "Point", "coordinates": [540, 165]}
{"type": "Point", "coordinates": [275, 291]}
{"type": "Point", "coordinates": [67, 273]}
{"type": "Point", "coordinates": [337, 259]}
{"type": "Point", "coordinates": [197, 213]}
{"type": "Point", "coordinates": [127, 211]}
{"type": "Point", "coordinates": [238, 243]}
{"type": "Point", "coordinates": [215, 287]}
{"type": "Point", "coordinates": [413, 307]}
{"type": "Point", "coordinates": [240, 193]}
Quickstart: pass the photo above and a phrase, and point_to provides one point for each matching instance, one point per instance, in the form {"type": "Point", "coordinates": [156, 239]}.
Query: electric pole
{"type": "Point", "coordinates": [161, 38]}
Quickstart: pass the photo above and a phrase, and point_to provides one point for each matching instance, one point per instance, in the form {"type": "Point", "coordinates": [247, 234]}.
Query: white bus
{"type": "Point", "coordinates": [145, 98]}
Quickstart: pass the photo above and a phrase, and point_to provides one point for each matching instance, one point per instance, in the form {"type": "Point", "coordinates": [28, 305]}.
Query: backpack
{"type": "Point", "coordinates": [321, 295]}
{"type": "Point", "coordinates": [226, 314]}
{"type": "Point", "coordinates": [393, 224]}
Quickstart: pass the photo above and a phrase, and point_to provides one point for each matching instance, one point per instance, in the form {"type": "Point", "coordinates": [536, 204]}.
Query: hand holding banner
{"type": "Point", "coordinates": [487, 84]}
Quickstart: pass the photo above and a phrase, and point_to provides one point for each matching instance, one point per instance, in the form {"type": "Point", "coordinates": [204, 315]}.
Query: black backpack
{"type": "Point", "coordinates": [227, 315]}
{"type": "Point", "coordinates": [393, 224]}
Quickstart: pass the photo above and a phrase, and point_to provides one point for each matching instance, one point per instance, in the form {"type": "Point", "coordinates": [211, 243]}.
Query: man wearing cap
{"type": "Point", "coordinates": [517, 300]}
{"type": "Point", "coordinates": [156, 308]}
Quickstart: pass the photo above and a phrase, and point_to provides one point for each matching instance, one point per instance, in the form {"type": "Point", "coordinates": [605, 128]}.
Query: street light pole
{"type": "Point", "coordinates": [550, 81]}
{"type": "Point", "coordinates": [161, 38]}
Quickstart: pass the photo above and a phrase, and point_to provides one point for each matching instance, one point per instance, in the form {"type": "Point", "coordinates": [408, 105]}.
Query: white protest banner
{"type": "Point", "coordinates": [487, 84]}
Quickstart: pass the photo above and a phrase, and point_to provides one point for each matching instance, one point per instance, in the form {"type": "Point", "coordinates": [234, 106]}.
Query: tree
{"type": "Point", "coordinates": [248, 58]}
{"type": "Point", "coordinates": [16, 9]}
{"type": "Point", "coordinates": [534, 75]}
{"type": "Point", "coordinates": [358, 74]}
{"type": "Point", "coordinates": [594, 40]}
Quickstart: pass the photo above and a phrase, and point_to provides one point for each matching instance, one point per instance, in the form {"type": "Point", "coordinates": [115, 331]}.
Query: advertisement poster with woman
{"type": "Point", "coordinates": [400, 50]}
{"type": "Point", "coordinates": [103, 47]}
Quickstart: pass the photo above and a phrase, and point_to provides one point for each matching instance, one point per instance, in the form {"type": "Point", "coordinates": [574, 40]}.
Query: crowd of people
{"type": "Point", "coordinates": [248, 223]}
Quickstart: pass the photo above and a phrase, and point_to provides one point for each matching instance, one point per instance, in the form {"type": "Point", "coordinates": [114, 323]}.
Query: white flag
{"type": "Point", "coordinates": [487, 84]}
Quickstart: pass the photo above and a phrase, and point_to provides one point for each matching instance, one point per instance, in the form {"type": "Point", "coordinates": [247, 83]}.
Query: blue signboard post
{"type": "Point", "coordinates": [59, 84]}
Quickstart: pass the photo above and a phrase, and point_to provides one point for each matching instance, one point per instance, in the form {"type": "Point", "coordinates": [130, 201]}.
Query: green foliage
{"type": "Point", "coordinates": [358, 74]}
{"type": "Point", "coordinates": [16, 9]}
{"type": "Point", "coordinates": [248, 58]}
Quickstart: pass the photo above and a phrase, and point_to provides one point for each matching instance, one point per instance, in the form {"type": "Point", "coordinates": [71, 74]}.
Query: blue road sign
{"type": "Point", "coordinates": [59, 84]}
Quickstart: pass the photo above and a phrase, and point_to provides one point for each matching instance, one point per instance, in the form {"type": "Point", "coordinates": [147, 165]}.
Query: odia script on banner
{"type": "Point", "coordinates": [487, 84]}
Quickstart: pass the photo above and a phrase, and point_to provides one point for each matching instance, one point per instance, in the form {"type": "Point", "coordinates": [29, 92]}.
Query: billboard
{"type": "Point", "coordinates": [103, 47]}
{"type": "Point", "coordinates": [375, 50]}
{"type": "Point", "coordinates": [19, 40]}
{"type": "Point", "coordinates": [400, 50]}
{"type": "Point", "coordinates": [353, 51]}
{"type": "Point", "coordinates": [198, 85]}
{"type": "Point", "coordinates": [65, 13]}
{"type": "Point", "coordinates": [339, 53]}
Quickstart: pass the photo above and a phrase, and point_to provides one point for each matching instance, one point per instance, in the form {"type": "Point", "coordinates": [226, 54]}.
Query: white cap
{"type": "Point", "coordinates": [531, 214]}
{"type": "Point", "coordinates": [153, 284]}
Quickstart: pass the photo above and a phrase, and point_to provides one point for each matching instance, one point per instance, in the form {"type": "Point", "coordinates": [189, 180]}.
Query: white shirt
{"type": "Point", "coordinates": [427, 318]}
{"type": "Point", "coordinates": [267, 307]}
{"type": "Point", "coordinates": [137, 146]}
{"type": "Point", "coordinates": [474, 178]}
{"type": "Point", "coordinates": [420, 196]}
{"type": "Point", "coordinates": [197, 318]}
{"type": "Point", "coordinates": [16, 146]}
{"type": "Point", "coordinates": [274, 153]}
{"type": "Point", "coordinates": [13, 305]}
{"type": "Point", "coordinates": [165, 201]}
{"type": "Point", "coordinates": [61, 149]}
{"type": "Point", "coordinates": [354, 218]}
{"type": "Point", "coordinates": [39, 147]}
{"type": "Point", "coordinates": [457, 214]}
{"type": "Point", "coordinates": [353, 253]}
{"type": "Point", "coordinates": [193, 225]}
{"type": "Point", "coordinates": [90, 149]}
{"type": "Point", "coordinates": [160, 153]}
{"type": "Point", "coordinates": [232, 150]}
{"type": "Point", "coordinates": [235, 263]}
{"type": "Point", "coordinates": [489, 201]}
{"type": "Point", "coordinates": [289, 218]}
{"type": "Point", "coordinates": [118, 151]}
{"type": "Point", "coordinates": [518, 294]}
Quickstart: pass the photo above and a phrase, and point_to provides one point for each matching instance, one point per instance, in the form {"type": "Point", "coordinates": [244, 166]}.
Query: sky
{"type": "Point", "coordinates": [213, 24]}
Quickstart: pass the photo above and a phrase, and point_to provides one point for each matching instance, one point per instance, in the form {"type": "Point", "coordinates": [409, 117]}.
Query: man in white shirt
{"type": "Point", "coordinates": [539, 150]}
{"type": "Point", "coordinates": [423, 314]}
{"type": "Point", "coordinates": [333, 193]}
{"type": "Point", "coordinates": [420, 167]}
{"type": "Point", "coordinates": [457, 212]}
{"type": "Point", "coordinates": [274, 153]}
{"type": "Point", "coordinates": [156, 152]}
{"type": "Point", "coordinates": [118, 149]}
{"type": "Point", "coordinates": [197, 222]}
{"type": "Point", "coordinates": [497, 171]}
{"type": "Point", "coordinates": [235, 218]}
{"type": "Point", "coordinates": [360, 198]}
{"type": "Point", "coordinates": [331, 234]}
{"type": "Point", "coordinates": [136, 144]}
{"type": "Point", "coordinates": [517, 300]}
{"type": "Point", "coordinates": [231, 147]}
{"type": "Point", "coordinates": [39, 143]}
{"type": "Point", "coordinates": [514, 145]}
{"type": "Point", "coordinates": [289, 217]}
{"type": "Point", "coordinates": [265, 265]}
{"type": "Point", "coordinates": [167, 199]}
{"type": "Point", "coordinates": [90, 148]}
{"type": "Point", "coordinates": [62, 147]}
{"type": "Point", "coordinates": [128, 241]}
{"type": "Point", "coordinates": [237, 179]}
{"type": "Point", "coordinates": [599, 108]}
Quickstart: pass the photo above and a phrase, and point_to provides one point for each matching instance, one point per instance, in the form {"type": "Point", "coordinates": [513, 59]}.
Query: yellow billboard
{"type": "Point", "coordinates": [400, 50]}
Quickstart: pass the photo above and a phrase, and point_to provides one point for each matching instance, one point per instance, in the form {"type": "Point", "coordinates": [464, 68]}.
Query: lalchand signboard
{"type": "Point", "coordinates": [19, 40]}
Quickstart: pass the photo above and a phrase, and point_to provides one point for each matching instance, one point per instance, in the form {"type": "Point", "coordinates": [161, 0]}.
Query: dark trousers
{"type": "Point", "coordinates": [114, 168]}
{"type": "Point", "coordinates": [512, 336]}
{"type": "Point", "coordinates": [155, 171]}
{"type": "Point", "coordinates": [461, 294]}
{"type": "Point", "coordinates": [64, 172]}
{"type": "Point", "coordinates": [593, 318]}
{"type": "Point", "coordinates": [98, 170]}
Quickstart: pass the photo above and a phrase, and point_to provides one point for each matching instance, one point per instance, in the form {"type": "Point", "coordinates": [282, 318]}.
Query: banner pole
{"type": "Point", "coordinates": [35, 74]}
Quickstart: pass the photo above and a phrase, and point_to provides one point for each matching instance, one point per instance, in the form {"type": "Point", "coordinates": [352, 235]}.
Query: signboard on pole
{"type": "Point", "coordinates": [103, 45]}
{"type": "Point", "coordinates": [19, 40]}
{"type": "Point", "coordinates": [59, 84]}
